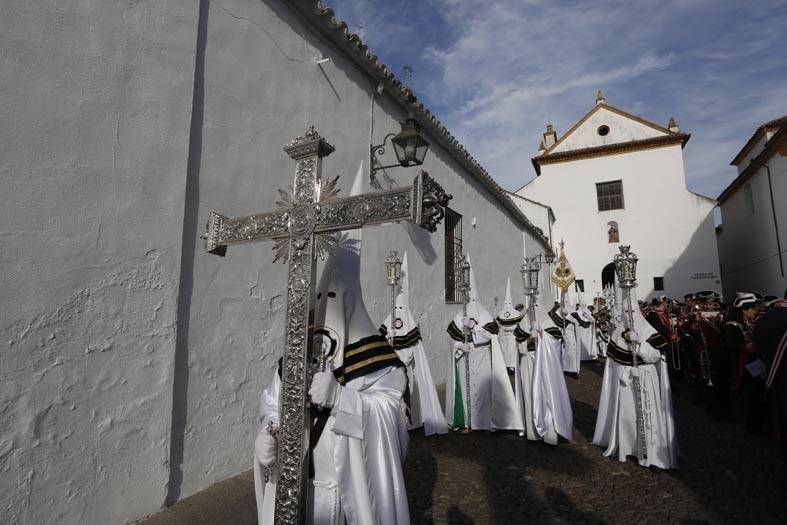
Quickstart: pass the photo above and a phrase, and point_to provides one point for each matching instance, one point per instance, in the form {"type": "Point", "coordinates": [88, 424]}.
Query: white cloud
{"type": "Point", "coordinates": [496, 71]}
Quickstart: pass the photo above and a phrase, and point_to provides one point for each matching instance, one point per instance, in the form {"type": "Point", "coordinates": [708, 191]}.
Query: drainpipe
{"type": "Point", "coordinates": [775, 222]}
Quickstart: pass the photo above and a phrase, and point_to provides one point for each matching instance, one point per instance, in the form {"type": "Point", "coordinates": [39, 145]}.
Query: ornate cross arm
{"type": "Point", "coordinates": [222, 231]}
{"type": "Point", "coordinates": [423, 204]}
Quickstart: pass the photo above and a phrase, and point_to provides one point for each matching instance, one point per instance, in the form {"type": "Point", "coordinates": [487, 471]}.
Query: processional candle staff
{"type": "Point", "coordinates": [464, 288]}
{"type": "Point", "coordinates": [626, 272]}
{"type": "Point", "coordinates": [529, 271]}
{"type": "Point", "coordinates": [563, 278]}
{"type": "Point", "coordinates": [393, 273]}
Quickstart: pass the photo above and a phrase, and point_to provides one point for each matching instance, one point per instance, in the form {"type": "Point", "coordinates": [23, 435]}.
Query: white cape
{"type": "Point", "coordinates": [425, 409]}
{"type": "Point", "coordinates": [616, 423]}
{"type": "Point", "coordinates": [586, 336]}
{"type": "Point", "coordinates": [551, 404]}
{"type": "Point", "coordinates": [362, 448]}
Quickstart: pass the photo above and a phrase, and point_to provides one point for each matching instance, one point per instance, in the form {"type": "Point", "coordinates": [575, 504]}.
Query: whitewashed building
{"type": "Point", "coordinates": [132, 362]}
{"type": "Point", "coordinates": [752, 237]}
{"type": "Point", "coordinates": [614, 178]}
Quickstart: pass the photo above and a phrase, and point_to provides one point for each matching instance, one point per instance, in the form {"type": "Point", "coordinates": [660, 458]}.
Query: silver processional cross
{"type": "Point", "coordinates": [302, 228]}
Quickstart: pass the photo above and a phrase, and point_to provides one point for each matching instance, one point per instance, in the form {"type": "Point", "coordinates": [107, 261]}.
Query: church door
{"type": "Point", "coordinates": [608, 275]}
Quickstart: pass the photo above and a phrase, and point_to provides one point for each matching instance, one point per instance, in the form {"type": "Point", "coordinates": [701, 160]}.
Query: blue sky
{"type": "Point", "coordinates": [496, 71]}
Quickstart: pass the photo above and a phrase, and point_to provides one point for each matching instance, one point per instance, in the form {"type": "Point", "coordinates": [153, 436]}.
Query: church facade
{"type": "Point", "coordinates": [614, 178]}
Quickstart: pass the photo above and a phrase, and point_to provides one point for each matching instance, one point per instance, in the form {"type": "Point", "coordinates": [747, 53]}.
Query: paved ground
{"type": "Point", "coordinates": [726, 475]}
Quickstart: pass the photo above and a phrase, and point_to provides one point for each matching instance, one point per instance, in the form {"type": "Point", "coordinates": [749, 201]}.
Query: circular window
{"type": "Point", "coordinates": [603, 130]}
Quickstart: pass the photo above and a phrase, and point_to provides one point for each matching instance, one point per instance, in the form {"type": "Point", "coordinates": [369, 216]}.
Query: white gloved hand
{"type": "Point", "coordinates": [632, 336]}
{"type": "Point", "coordinates": [468, 323]}
{"type": "Point", "coordinates": [265, 447]}
{"type": "Point", "coordinates": [325, 389]}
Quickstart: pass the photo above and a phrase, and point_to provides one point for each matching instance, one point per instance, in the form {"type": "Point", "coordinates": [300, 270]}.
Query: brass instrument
{"type": "Point", "coordinates": [674, 348]}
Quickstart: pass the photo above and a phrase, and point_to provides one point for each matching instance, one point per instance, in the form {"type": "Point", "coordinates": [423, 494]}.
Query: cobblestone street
{"type": "Point", "coordinates": [726, 475]}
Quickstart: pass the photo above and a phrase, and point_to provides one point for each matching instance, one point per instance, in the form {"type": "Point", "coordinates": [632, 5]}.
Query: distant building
{"type": "Point", "coordinates": [614, 178]}
{"type": "Point", "coordinates": [752, 237]}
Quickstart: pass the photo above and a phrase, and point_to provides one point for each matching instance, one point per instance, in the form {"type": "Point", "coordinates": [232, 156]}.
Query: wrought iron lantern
{"type": "Point", "coordinates": [529, 271]}
{"type": "Point", "coordinates": [393, 269]}
{"type": "Point", "coordinates": [549, 257]}
{"type": "Point", "coordinates": [409, 146]}
{"type": "Point", "coordinates": [626, 267]}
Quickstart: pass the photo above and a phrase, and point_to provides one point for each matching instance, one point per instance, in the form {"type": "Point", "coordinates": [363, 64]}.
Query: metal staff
{"type": "Point", "coordinates": [464, 287]}
{"type": "Point", "coordinates": [393, 271]}
{"type": "Point", "coordinates": [529, 271]}
{"type": "Point", "coordinates": [626, 270]}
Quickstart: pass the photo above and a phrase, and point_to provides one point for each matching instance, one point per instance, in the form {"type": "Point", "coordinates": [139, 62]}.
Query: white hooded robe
{"type": "Point", "coordinates": [492, 405]}
{"type": "Point", "coordinates": [616, 423]}
{"type": "Point", "coordinates": [425, 409]}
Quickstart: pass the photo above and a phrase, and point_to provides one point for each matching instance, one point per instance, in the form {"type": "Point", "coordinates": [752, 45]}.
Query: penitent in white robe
{"type": "Point", "coordinates": [551, 404]}
{"type": "Point", "coordinates": [358, 459]}
{"type": "Point", "coordinates": [616, 423]}
{"type": "Point", "coordinates": [570, 349]}
{"type": "Point", "coordinates": [492, 402]}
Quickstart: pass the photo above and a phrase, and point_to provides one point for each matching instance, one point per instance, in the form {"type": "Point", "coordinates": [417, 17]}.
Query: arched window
{"type": "Point", "coordinates": [613, 233]}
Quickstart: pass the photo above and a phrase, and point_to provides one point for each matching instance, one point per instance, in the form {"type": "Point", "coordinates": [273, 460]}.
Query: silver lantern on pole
{"type": "Point", "coordinates": [529, 271]}
{"type": "Point", "coordinates": [626, 268]}
{"type": "Point", "coordinates": [393, 273]}
{"type": "Point", "coordinates": [463, 285]}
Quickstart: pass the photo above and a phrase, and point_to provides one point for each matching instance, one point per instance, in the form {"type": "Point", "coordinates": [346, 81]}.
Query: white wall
{"type": "Point", "coordinates": [109, 172]}
{"type": "Point", "coordinates": [668, 227]}
{"type": "Point", "coordinates": [747, 243]}
{"type": "Point", "coordinates": [621, 129]}
{"type": "Point", "coordinates": [538, 214]}
{"type": "Point", "coordinates": [95, 109]}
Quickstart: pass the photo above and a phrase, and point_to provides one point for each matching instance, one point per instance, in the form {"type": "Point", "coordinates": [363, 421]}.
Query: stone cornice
{"type": "Point", "coordinates": [610, 149]}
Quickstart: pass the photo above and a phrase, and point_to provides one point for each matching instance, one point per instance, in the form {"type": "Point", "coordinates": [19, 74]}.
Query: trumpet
{"type": "Point", "coordinates": [674, 348]}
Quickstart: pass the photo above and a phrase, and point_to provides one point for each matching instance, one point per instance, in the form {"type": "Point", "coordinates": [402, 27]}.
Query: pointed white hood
{"type": "Point", "coordinates": [582, 308]}
{"type": "Point", "coordinates": [475, 310]}
{"type": "Point", "coordinates": [403, 318]}
{"type": "Point", "coordinates": [508, 314]}
{"type": "Point", "coordinates": [641, 325]}
{"type": "Point", "coordinates": [341, 316]}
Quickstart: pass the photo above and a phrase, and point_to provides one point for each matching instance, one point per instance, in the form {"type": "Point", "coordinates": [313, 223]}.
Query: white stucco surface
{"type": "Point", "coordinates": [668, 227]}
{"type": "Point", "coordinates": [538, 214]}
{"type": "Point", "coordinates": [95, 110]}
{"type": "Point", "coordinates": [131, 362]}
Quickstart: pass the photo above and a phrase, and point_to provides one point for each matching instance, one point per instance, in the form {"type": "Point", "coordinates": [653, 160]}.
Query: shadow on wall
{"type": "Point", "coordinates": [420, 238]}
{"type": "Point", "coordinates": [689, 258]}
{"type": "Point", "coordinates": [190, 241]}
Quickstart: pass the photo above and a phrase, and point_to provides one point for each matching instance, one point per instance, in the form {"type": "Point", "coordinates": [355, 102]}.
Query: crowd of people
{"type": "Point", "coordinates": [726, 352]}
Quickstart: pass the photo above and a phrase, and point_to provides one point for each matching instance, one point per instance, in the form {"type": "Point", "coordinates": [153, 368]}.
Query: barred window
{"type": "Point", "coordinates": [610, 195]}
{"type": "Point", "coordinates": [453, 255]}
